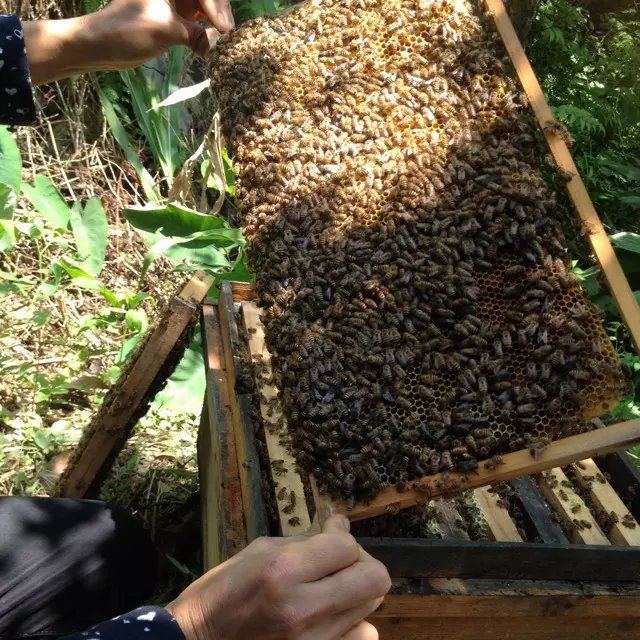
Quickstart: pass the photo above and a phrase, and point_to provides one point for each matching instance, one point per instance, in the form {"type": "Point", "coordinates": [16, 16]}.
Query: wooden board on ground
{"type": "Point", "coordinates": [145, 374]}
{"type": "Point", "coordinates": [624, 529]}
{"type": "Point", "coordinates": [290, 498]}
{"type": "Point", "coordinates": [557, 489]}
{"type": "Point", "coordinates": [221, 494]}
{"type": "Point", "coordinates": [501, 526]}
{"type": "Point", "coordinates": [237, 374]}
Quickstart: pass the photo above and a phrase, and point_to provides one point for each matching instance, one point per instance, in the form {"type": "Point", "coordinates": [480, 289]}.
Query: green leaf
{"type": "Point", "coordinates": [8, 201]}
{"type": "Point", "coordinates": [80, 278]}
{"type": "Point", "coordinates": [631, 199]}
{"type": "Point", "coordinates": [122, 137]}
{"type": "Point", "coordinates": [43, 440]}
{"type": "Point", "coordinates": [40, 318]}
{"type": "Point", "coordinates": [173, 219]}
{"type": "Point", "coordinates": [626, 240]}
{"type": "Point", "coordinates": [7, 234]}
{"type": "Point", "coordinates": [185, 388]}
{"type": "Point", "coordinates": [10, 160]}
{"type": "Point", "coordinates": [137, 320]}
{"type": "Point", "coordinates": [91, 232]}
{"type": "Point", "coordinates": [47, 201]}
{"type": "Point", "coordinates": [185, 93]}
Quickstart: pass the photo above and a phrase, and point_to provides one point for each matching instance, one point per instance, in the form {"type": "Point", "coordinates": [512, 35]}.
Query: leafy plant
{"type": "Point", "coordinates": [590, 79]}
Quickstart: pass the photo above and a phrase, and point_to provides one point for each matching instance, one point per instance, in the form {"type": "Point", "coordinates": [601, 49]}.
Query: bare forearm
{"type": "Point", "coordinates": [61, 48]}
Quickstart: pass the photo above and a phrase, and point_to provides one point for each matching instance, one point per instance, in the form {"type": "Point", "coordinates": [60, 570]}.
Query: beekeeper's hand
{"type": "Point", "coordinates": [317, 588]}
{"type": "Point", "coordinates": [123, 35]}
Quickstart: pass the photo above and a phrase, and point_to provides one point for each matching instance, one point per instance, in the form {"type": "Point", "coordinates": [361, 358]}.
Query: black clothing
{"type": "Point", "coordinates": [68, 564]}
{"type": "Point", "coordinates": [16, 97]}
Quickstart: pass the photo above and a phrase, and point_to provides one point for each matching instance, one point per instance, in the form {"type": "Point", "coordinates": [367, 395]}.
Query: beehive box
{"type": "Point", "coordinates": [408, 254]}
{"type": "Point", "coordinates": [562, 559]}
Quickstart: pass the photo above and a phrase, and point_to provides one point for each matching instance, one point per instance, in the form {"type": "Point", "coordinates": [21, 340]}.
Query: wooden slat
{"type": "Point", "coordinates": [413, 557]}
{"type": "Point", "coordinates": [624, 476]}
{"type": "Point", "coordinates": [519, 463]}
{"type": "Point", "coordinates": [590, 478]}
{"type": "Point", "coordinates": [237, 374]}
{"type": "Point", "coordinates": [501, 526]}
{"type": "Point", "coordinates": [288, 482]}
{"type": "Point", "coordinates": [529, 602]}
{"type": "Point", "coordinates": [597, 236]}
{"type": "Point", "coordinates": [538, 511]}
{"type": "Point", "coordinates": [571, 508]}
{"type": "Point", "coordinates": [124, 405]}
{"type": "Point", "coordinates": [490, 628]}
{"type": "Point", "coordinates": [223, 527]}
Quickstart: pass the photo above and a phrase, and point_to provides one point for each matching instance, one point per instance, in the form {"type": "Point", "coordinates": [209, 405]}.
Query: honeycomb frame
{"type": "Point", "coordinates": [414, 280]}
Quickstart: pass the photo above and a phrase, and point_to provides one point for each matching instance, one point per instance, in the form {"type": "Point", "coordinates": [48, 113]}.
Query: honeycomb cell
{"type": "Point", "coordinates": [412, 275]}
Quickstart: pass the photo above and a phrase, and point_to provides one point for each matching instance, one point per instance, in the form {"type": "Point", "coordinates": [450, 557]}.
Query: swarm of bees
{"type": "Point", "coordinates": [414, 280]}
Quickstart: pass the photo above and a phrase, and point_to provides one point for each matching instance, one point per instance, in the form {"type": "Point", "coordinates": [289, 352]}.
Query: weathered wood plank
{"type": "Point", "coordinates": [519, 463]}
{"type": "Point", "coordinates": [538, 511]}
{"type": "Point", "coordinates": [571, 508]}
{"type": "Point", "coordinates": [528, 603]}
{"type": "Point", "coordinates": [292, 512]}
{"type": "Point", "coordinates": [223, 525]}
{"type": "Point", "coordinates": [490, 628]}
{"type": "Point", "coordinates": [411, 557]}
{"type": "Point", "coordinates": [625, 530]}
{"type": "Point", "coordinates": [624, 476]}
{"type": "Point", "coordinates": [244, 429]}
{"type": "Point", "coordinates": [140, 380]}
{"type": "Point", "coordinates": [501, 526]}
{"type": "Point", "coordinates": [596, 234]}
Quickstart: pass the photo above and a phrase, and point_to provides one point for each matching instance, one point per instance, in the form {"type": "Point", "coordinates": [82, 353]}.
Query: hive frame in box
{"type": "Point", "coordinates": [461, 589]}
{"type": "Point", "coordinates": [619, 436]}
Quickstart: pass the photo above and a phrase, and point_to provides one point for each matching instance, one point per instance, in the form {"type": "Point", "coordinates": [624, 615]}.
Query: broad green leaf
{"type": "Point", "coordinates": [185, 93]}
{"type": "Point", "coordinates": [185, 388]}
{"type": "Point", "coordinates": [80, 278]}
{"type": "Point", "coordinates": [7, 234]}
{"type": "Point", "coordinates": [10, 160]}
{"type": "Point", "coordinates": [136, 320]}
{"type": "Point", "coordinates": [197, 247]}
{"type": "Point", "coordinates": [173, 219]}
{"type": "Point", "coordinates": [47, 201]}
{"type": "Point", "coordinates": [90, 231]}
{"type": "Point", "coordinates": [8, 201]}
{"type": "Point", "coordinates": [626, 240]}
{"type": "Point", "coordinates": [43, 440]}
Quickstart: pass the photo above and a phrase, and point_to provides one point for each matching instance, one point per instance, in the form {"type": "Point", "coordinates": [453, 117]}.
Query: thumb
{"type": "Point", "coordinates": [194, 36]}
{"type": "Point", "coordinates": [337, 524]}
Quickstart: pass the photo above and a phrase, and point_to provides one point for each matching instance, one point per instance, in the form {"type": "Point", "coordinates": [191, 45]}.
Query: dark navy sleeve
{"type": "Point", "coordinates": [145, 623]}
{"type": "Point", "coordinates": [16, 96]}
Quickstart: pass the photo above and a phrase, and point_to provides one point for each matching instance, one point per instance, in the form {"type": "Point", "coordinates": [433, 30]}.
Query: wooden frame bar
{"type": "Point", "coordinates": [414, 557]}
{"type": "Point", "coordinates": [625, 530]}
{"type": "Point", "coordinates": [244, 430]}
{"type": "Point", "coordinates": [536, 509]}
{"type": "Point", "coordinates": [289, 491]}
{"type": "Point", "coordinates": [520, 463]}
{"type": "Point", "coordinates": [223, 527]}
{"type": "Point", "coordinates": [559, 492]}
{"type": "Point", "coordinates": [144, 375]}
{"type": "Point", "coordinates": [597, 236]}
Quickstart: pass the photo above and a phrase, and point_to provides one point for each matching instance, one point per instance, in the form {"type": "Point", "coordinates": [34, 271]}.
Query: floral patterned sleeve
{"type": "Point", "coordinates": [16, 96]}
{"type": "Point", "coordinates": [145, 623]}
